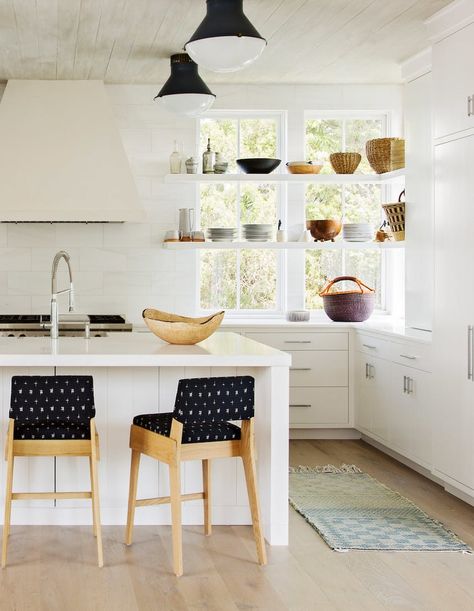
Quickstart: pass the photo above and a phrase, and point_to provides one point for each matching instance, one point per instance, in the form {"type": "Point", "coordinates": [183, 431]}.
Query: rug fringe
{"type": "Point", "coordinates": [326, 469]}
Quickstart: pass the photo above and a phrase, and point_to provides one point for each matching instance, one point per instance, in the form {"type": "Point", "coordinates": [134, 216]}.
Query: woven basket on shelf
{"type": "Point", "coordinates": [395, 214]}
{"type": "Point", "coordinates": [386, 154]}
{"type": "Point", "coordinates": [345, 163]}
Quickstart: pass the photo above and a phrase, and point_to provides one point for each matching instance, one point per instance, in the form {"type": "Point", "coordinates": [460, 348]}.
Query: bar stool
{"type": "Point", "coordinates": [52, 416]}
{"type": "Point", "coordinates": [198, 429]}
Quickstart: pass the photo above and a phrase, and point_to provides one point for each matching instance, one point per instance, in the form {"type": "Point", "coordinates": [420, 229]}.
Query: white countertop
{"type": "Point", "coordinates": [385, 325]}
{"type": "Point", "coordinates": [138, 349]}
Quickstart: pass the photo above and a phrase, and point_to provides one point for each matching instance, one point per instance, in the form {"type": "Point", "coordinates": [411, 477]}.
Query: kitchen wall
{"type": "Point", "coordinates": [122, 268]}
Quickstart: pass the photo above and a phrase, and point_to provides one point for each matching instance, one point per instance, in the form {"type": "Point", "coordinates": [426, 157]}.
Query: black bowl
{"type": "Point", "coordinates": [258, 165]}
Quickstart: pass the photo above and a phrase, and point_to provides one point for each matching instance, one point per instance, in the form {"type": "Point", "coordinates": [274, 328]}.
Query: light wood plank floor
{"type": "Point", "coordinates": [55, 568]}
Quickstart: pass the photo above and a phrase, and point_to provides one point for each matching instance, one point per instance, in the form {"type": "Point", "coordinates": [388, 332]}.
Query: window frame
{"type": "Point", "coordinates": [281, 119]}
{"type": "Point", "coordinates": [387, 262]}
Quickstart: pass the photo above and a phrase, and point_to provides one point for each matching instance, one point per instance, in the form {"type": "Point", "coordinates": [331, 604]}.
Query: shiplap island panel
{"type": "Point", "coordinates": [137, 373]}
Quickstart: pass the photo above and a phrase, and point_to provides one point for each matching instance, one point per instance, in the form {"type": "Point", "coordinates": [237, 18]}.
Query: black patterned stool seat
{"type": "Point", "coordinates": [52, 430]}
{"type": "Point", "coordinates": [195, 433]}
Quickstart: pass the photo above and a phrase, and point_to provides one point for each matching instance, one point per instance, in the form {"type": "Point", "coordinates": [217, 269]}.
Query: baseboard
{"type": "Point", "coordinates": [403, 459]}
{"type": "Point", "coordinates": [324, 434]}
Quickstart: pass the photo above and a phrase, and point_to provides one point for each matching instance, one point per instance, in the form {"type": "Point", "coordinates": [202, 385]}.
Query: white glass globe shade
{"type": "Point", "coordinates": [187, 104]}
{"type": "Point", "coordinates": [225, 53]}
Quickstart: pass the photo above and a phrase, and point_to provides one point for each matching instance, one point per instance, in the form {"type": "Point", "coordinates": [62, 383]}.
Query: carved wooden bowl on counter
{"type": "Point", "coordinates": [181, 330]}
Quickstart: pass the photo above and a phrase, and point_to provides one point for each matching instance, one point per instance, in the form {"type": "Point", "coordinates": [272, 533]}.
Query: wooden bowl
{"type": "Point", "coordinates": [345, 163]}
{"type": "Point", "coordinates": [304, 168]}
{"type": "Point", "coordinates": [181, 330]}
{"type": "Point", "coordinates": [324, 230]}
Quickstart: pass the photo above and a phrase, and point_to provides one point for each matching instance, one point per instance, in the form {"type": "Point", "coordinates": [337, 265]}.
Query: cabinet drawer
{"type": "Point", "coordinates": [413, 354]}
{"type": "Point", "coordinates": [317, 406]}
{"type": "Point", "coordinates": [313, 368]}
{"type": "Point", "coordinates": [289, 341]}
{"type": "Point", "coordinates": [369, 344]}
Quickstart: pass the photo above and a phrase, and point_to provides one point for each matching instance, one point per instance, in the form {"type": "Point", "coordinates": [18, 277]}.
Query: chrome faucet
{"type": "Point", "coordinates": [62, 254]}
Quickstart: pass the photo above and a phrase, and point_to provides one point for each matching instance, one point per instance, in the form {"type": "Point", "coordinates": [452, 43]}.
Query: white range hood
{"type": "Point", "coordinates": [61, 155]}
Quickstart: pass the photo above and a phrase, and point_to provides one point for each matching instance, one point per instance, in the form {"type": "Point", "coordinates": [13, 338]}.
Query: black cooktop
{"type": "Point", "coordinates": [97, 319]}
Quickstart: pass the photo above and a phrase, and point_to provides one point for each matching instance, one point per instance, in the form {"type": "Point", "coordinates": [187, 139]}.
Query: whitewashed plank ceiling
{"type": "Point", "coordinates": [130, 41]}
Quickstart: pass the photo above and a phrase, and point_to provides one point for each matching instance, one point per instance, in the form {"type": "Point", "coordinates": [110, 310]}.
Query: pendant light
{"type": "Point", "coordinates": [225, 41]}
{"type": "Point", "coordinates": [185, 92]}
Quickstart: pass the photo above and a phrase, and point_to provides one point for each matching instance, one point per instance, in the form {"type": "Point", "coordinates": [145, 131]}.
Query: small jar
{"type": "Point", "coordinates": [191, 166]}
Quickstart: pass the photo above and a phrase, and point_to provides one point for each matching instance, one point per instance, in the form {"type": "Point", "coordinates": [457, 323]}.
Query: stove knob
{"type": "Point", "coordinates": [22, 335]}
{"type": "Point", "coordinates": [11, 335]}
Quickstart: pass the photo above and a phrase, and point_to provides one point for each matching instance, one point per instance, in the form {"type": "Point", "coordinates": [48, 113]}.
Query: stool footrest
{"type": "Point", "coordinates": [163, 500]}
{"type": "Point", "coordinates": [19, 496]}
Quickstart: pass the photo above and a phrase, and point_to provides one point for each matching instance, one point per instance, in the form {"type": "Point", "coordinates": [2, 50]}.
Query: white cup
{"type": "Point", "coordinates": [282, 235]}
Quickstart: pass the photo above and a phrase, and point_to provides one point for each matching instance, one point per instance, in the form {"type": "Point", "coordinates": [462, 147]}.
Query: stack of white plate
{"type": "Point", "coordinates": [357, 232]}
{"type": "Point", "coordinates": [222, 234]}
{"type": "Point", "coordinates": [257, 232]}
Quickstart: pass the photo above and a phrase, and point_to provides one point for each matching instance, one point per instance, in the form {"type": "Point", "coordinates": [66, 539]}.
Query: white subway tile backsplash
{"type": "Point", "coordinates": [102, 259]}
{"type": "Point", "coordinates": [15, 259]}
{"type": "Point", "coordinates": [11, 304]}
{"type": "Point", "coordinates": [150, 259]}
{"type": "Point", "coordinates": [136, 140]}
{"type": "Point", "coordinates": [79, 234]}
{"type": "Point", "coordinates": [29, 283]}
{"type": "Point", "coordinates": [31, 234]}
{"type": "Point", "coordinates": [128, 283]}
{"type": "Point", "coordinates": [127, 234]}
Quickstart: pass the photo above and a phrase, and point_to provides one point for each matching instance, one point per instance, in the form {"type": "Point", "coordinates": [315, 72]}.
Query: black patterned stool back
{"type": "Point", "coordinates": [52, 399]}
{"type": "Point", "coordinates": [207, 400]}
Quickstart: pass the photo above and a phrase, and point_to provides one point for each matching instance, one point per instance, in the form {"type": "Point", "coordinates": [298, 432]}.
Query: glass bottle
{"type": "Point", "coordinates": [176, 160]}
{"type": "Point", "coordinates": [208, 159]}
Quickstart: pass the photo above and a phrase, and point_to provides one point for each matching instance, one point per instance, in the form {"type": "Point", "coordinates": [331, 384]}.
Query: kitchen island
{"type": "Point", "coordinates": [137, 373]}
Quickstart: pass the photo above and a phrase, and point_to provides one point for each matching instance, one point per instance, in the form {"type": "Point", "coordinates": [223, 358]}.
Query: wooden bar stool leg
{"type": "Point", "coordinates": [94, 524]}
{"type": "Point", "coordinates": [248, 458]}
{"type": "Point", "coordinates": [8, 493]}
{"type": "Point", "coordinates": [95, 497]}
{"type": "Point", "coordinates": [132, 495]}
{"type": "Point", "coordinates": [176, 531]}
{"type": "Point", "coordinates": [206, 481]}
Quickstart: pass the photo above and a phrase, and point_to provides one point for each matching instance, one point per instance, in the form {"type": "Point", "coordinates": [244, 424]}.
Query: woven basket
{"type": "Point", "coordinates": [395, 214]}
{"type": "Point", "coordinates": [348, 306]}
{"type": "Point", "coordinates": [345, 163]}
{"type": "Point", "coordinates": [386, 154]}
{"type": "Point", "coordinates": [182, 330]}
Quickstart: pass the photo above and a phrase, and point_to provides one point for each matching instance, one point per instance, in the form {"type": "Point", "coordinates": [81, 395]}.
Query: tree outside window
{"type": "Point", "coordinates": [245, 279]}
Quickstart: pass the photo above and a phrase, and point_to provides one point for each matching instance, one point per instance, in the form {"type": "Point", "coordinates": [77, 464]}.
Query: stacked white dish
{"type": "Point", "coordinates": [222, 234]}
{"type": "Point", "coordinates": [357, 232]}
{"type": "Point", "coordinates": [257, 232]}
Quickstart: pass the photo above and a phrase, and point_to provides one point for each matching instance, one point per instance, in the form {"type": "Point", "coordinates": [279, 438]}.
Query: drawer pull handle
{"type": "Point", "coordinates": [407, 356]}
{"type": "Point", "coordinates": [300, 405]}
{"type": "Point", "coordinates": [298, 341]}
{"type": "Point", "coordinates": [300, 368]}
{"type": "Point", "coordinates": [370, 347]}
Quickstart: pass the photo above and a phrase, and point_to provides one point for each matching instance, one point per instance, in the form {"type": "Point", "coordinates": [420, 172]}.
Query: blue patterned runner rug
{"type": "Point", "coordinates": [352, 510]}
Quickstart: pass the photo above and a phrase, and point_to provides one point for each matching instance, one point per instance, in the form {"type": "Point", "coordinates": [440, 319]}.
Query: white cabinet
{"type": "Point", "coordinates": [319, 375]}
{"type": "Point", "coordinates": [453, 392]}
{"type": "Point", "coordinates": [453, 83]}
{"type": "Point", "coordinates": [373, 390]}
{"type": "Point", "coordinates": [410, 414]}
{"type": "Point", "coordinates": [393, 402]}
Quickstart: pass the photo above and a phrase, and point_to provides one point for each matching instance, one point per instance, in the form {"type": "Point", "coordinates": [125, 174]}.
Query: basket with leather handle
{"type": "Point", "coordinates": [348, 306]}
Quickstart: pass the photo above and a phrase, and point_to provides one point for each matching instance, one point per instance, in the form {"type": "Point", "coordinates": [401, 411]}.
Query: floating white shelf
{"type": "Point", "coordinates": [337, 179]}
{"type": "Point", "coordinates": [339, 245]}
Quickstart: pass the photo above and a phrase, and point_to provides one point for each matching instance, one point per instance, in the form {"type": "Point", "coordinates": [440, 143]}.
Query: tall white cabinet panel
{"type": "Point", "coordinates": [453, 391]}
{"type": "Point", "coordinates": [453, 79]}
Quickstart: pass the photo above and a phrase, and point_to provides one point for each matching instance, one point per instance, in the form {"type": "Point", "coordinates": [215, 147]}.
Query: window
{"type": "Point", "coordinates": [351, 203]}
{"type": "Point", "coordinates": [244, 279]}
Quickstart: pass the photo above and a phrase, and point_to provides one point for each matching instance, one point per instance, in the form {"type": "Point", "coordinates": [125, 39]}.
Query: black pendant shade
{"type": "Point", "coordinates": [225, 41]}
{"type": "Point", "coordinates": [185, 92]}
